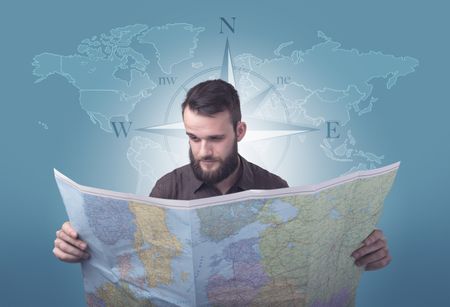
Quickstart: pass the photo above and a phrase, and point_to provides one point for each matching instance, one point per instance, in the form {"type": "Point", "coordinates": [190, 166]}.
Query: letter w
{"type": "Point", "coordinates": [122, 128]}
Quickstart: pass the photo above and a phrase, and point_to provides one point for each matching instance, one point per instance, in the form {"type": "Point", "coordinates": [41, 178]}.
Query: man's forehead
{"type": "Point", "coordinates": [195, 120]}
{"type": "Point", "coordinates": [195, 113]}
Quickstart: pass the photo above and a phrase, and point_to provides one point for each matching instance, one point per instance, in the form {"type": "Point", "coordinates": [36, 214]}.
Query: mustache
{"type": "Point", "coordinates": [208, 159]}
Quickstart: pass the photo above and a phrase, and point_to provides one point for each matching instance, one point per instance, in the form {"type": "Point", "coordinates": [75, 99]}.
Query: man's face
{"type": "Point", "coordinates": [213, 144]}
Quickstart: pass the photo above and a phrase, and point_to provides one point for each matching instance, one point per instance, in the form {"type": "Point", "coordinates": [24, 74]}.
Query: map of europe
{"type": "Point", "coordinates": [284, 247]}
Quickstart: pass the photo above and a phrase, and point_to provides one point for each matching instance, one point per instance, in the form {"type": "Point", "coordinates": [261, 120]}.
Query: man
{"type": "Point", "coordinates": [212, 119]}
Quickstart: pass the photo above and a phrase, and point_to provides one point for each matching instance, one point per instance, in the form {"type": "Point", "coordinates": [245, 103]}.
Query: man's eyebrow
{"type": "Point", "coordinates": [215, 136]}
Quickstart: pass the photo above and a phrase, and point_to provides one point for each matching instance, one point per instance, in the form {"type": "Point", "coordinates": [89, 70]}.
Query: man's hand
{"type": "Point", "coordinates": [374, 254]}
{"type": "Point", "coordinates": [68, 247]}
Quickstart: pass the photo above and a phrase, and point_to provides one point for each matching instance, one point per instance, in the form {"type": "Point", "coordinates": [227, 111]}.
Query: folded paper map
{"type": "Point", "coordinates": [283, 247]}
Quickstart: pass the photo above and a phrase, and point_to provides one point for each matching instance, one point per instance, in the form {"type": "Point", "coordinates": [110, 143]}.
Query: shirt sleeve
{"type": "Point", "coordinates": [165, 187]}
{"type": "Point", "coordinates": [158, 190]}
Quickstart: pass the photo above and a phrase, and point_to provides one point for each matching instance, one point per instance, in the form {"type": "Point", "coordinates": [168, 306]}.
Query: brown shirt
{"type": "Point", "coordinates": [181, 183]}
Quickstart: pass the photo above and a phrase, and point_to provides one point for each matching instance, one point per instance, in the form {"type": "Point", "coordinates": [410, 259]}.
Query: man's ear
{"type": "Point", "coordinates": [241, 128]}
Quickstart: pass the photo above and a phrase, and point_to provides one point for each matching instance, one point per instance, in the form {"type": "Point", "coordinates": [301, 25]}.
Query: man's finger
{"type": "Point", "coordinates": [64, 257]}
{"type": "Point", "coordinates": [375, 235]}
{"type": "Point", "coordinates": [367, 249]}
{"type": "Point", "coordinates": [70, 249]}
{"type": "Point", "coordinates": [68, 229]}
{"type": "Point", "coordinates": [378, 264]}
{"type": "Point", "coordinates": [373, 257]}
{"type": "Point", "coordinates": [75, 242]}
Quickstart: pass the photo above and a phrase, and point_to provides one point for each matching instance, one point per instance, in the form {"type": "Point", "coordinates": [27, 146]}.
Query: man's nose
{"type": "Point", "coordinates": [205, 149]}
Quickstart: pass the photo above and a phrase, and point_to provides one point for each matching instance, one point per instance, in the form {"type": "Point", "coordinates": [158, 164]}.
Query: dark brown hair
{"type": "Point", "coordinates": [213, 96]}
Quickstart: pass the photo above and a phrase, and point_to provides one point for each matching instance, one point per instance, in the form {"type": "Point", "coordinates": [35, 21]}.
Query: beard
{"type": "Point", "coordinates": [225, 169]}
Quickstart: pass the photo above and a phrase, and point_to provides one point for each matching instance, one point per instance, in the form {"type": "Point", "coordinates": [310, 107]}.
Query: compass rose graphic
{"type": "Point", "coordinates": [260, 127]}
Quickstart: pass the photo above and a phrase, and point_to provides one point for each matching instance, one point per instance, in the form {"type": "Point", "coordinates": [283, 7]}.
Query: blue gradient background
{"type": "Point", "coordinates": [409, 124]}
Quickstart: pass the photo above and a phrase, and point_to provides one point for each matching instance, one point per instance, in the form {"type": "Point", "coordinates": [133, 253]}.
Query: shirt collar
{"type": "Point", "coordinates": [195, 183]}
{"type": "Point", "coordinates": [245, 181]}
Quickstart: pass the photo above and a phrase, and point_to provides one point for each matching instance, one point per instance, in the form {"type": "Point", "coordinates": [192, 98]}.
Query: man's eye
{"type": "Point", "coordinates": [216, 138]}
{"type": "Point", "coordinates": [194, 138]}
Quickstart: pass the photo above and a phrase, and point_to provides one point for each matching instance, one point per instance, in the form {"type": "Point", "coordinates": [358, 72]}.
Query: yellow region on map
{"type": "Point", "coordinates": [162, 247]}
{"type": "Point", "coordinates": [117, 295]}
